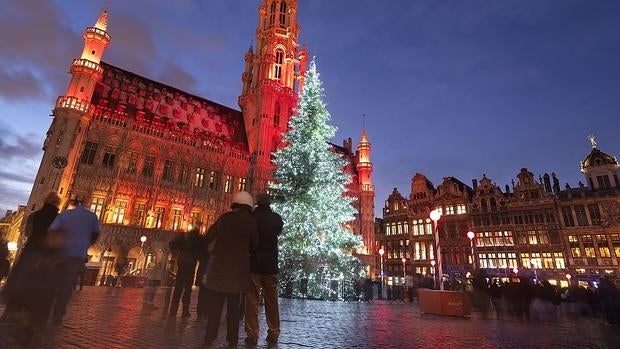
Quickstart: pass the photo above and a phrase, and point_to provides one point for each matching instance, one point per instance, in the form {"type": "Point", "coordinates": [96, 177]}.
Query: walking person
{"type": "Point", "coordinates": [234, 236]}
{"type": "Point", "coordinates": [264, 273]}
{"type": "Point", "coordinates": [72, 232]}
{"type": "Point", "coordinates": [188, 247]}
{"type": "Point", "coordinates": [155, 275]}
{"type": "Point", "coordinates": [28, 289]}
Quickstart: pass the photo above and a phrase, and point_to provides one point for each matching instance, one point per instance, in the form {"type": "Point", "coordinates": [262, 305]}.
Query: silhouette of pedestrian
{"type": "Point", "coordinates": [72, 232]}
{"type": "Point", "coordinates": [264, 273]}
{"type": "Point", "coordinates": [187, 246]}
{"type": "Point", "coordinates": [234, 236]}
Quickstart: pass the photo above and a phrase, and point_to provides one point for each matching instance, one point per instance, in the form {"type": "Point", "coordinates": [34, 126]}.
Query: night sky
{"type": "Point", "coordinates": [450, 88]}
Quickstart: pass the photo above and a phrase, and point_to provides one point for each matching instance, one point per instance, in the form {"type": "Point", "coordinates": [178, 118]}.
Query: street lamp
{"type": "Point", "coordinates": [515, 270]}
{"type": "Point", "coordinates": [433, 272]}
{"type": "Point", "coordinates": [568, 277]}
{"type": "Point", "coordinates": [471, 235]}
{"type": "Point", "coordinates": [435, 215]}
{"type": "Point", "coordinates": [381, 252]}
{"type": "Point", "coordinates": [404, 260]}
{"type": "Point", "coordinates": [142, 241]}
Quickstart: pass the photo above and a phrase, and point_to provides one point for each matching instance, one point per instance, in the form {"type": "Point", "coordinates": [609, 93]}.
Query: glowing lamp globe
{"type": "Point", "coordinates": [142, 238]}
{"type": "Point", "coordinates": [381, 251]}
{"type": "Point", "coordinates": [568, 276]}
{"type": "Point", "coordinates": [435, 215]}
{"type": "Point", "coordinates": [515, 270]}
{"type": "Point", "coordinates": [404, 260]}
{"type": "Point", "coordinates": [433, 263]}
{"type": "Point", "coordinates": [470, 235]}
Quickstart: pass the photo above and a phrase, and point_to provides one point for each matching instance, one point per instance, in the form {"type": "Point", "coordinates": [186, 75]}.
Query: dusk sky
{"type": "Point", "coordinates": [450, 88]}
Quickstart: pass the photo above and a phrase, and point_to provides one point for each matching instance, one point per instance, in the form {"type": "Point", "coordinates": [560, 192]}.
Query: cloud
{"type": "Point", "coordinates": [20, 85]}
{"type": "Point", "coordinates": [17, 146]}
{"type": "Point", "coordinates": [15, 177]}
{"type": "Point", "coordinates": [176, 76]}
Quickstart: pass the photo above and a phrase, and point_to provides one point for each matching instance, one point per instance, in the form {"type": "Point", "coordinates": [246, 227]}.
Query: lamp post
{"type": "Point", "coordinates": [404, 260]}
{"type": "Point", "coordinates": [381, 252]}
{"type": "Point", "coordinates": [471, 235]}
{"type": "Point", "coordinates": [433, 272]}
{"type": "Point", "coordinates": [142, 241]}
{"type": "Point", "coordinates": [568, 277]}
{"type": "Point", "coordinates": [435, 215]}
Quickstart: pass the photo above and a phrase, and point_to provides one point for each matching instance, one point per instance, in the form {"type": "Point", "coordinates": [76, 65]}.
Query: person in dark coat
{"type": "Point", "coordinates": [203, 263]}
{"type": "Point", "coordinates": [25, 287]}
{"type": "Point", "coordinates": [264, 273]}
{"type": "Point", "coordinates": [231, 238]}
{"type": "Point", "coordinates": [188, 246]}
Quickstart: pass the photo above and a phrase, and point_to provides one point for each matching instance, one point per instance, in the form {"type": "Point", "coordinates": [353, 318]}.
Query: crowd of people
{"type": "Point", "coordinates": [234, 263]}
{"type": "Point", "coordinates": [42, 279]}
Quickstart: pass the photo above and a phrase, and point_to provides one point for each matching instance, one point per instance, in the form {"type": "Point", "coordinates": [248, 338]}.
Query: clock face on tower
{"type": "Point", "coordinates": [59, 162]}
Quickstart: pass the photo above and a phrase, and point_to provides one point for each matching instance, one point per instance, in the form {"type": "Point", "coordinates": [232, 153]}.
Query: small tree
{"type": "Point", "coordinates": [309, 194]}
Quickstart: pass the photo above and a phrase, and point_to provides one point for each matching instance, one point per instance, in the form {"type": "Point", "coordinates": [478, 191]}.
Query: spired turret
{"type": "Point", "coordinates": [366, 193]}
{"type": "Point", "coordinates": [601, 170]}
{"type": "Point", "coordinates": [71, 114]}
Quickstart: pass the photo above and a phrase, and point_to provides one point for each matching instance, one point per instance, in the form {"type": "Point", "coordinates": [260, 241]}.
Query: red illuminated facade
{"type": "Point", "coordinates": [150, 159]}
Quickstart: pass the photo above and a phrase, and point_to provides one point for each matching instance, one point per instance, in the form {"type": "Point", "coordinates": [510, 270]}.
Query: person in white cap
{"type": "Point", "coordinates": [231, 239]}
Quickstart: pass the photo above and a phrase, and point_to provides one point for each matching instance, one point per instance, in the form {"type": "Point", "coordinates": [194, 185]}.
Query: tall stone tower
{"type": "Point", "coordinates": [366, 193]}
{"type": "Point", "coordinates": [71, 118]}
{"type": "Point", "coordinates": [272, 78]}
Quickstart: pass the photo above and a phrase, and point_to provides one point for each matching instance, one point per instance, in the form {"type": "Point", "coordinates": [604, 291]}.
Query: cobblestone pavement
{"type": "Point", "coordinates": [101, 317]}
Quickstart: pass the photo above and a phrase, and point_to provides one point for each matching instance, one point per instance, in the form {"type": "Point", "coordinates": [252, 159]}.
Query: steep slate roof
{"type": "Point", "coordinates": [123, 92]}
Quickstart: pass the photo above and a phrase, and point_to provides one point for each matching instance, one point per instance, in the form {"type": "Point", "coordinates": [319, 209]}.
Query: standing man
{"type": "Point", "coordinates": [264, 273]}
{"type": "Point", "coordinates": [188, 246]}
{"type": "Point", "coordinates": [231, 239]}
{"type": "Point", "coordinates": [72, 232]}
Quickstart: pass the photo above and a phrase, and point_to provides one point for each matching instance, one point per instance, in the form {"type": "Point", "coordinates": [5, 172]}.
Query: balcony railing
{"type": "Point", "coordinates": [85, 63]}
{"type": "Point", "coordinates": [74, 103]}
{"type": "Point", "coordinates": [91, 31]}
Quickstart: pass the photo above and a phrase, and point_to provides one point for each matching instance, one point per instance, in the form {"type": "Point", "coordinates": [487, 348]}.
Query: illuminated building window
{"type": "Point", "coordinates": [118, 214]}
{"type": "Point", "coordinates": [559, 260]}
{"type": "Point", "coordinates": [536, 260]}
{"type": "Point", "coordinates": [228, 184]}
{"type": "Point", "coordinates": [512, 260]}
{"type": "Point", "coordinates": [461, 209]}
{"type": "Point", "coordinates": [139, 211]}
{"type": "Point", "coordinates": [90, 150]}
{"type": "Point", "coordinates": [132, 162]}
{"type": "Point", "coordinates": [547, 261]}
{"type": "Point", "coordinates": [416, 251]}
{"type": "Point", "coordinates": [580, 271]}
{"type": "Point", "coordinates": [276, 115]}
{"type": "Point", "coordinates": [590, 252]}
{"type": "Point", "coordinates": [406, 227]}
{"type": "Point", "coordinates": [109, 157]}
{"type": "Point", "coordinates": [508, 240]}
{"type": "Point", "coordinates": [388, 229]}
{"type": "Point", "coordinates": [601, 239]}
{"type": "Point", "coordinates": [168, 171]}
{"type": "Point", "coordinates": [617, 250]}
{"type": "Point", "coordinates": [194, 217]}
{"type": "Point", "coordinates": [501, 260]}
{"type": "Point", "coordinates": [241, 184]}
{"type": "Point", "coordinates": [532, 237]}
{"type": "Point", "coordinates": [199, 179]}
{"type": "Point", "coordinates": [176, 218]}
{"type": "Point", "coordinates": [97, 206]}
{"type": "Point", "coordinates": [423, 250]}
{"type": "Point", "coordinates": [567, 215]}
{"type": "Point", "coordinates": [183, 174]}
{"type": "Point", "coordinates": [525, 260]}
{"type": "Point", "coordinates": [543, 237]}
{"type": "Point", "coordinates": [416, 228]}
{"type": "Point", "coordinates": [214, 178]}
{"type": "Point", "coordinates": [429, 227]}
{"type": "Point", "coordinates": [582, 218]}
{"type": "Point", "coordinates": [277, 73]}
{"type": "Point", "coordinates": [158, 218]}
{"type": "Point", "coordinates": [431, 251]}
{"type": "Point", "coordinates": [148, 167]}
{"type": "Point", "coordinates": [573, 239]}
{"type": "Point", "coordinates": [399, 228]}
{"type": "Point", "coordinates": [575, 252]}
{"type": "Point", "coordinates": [482, 260]}
{"type": "Point", "coordinates": [604, 252]}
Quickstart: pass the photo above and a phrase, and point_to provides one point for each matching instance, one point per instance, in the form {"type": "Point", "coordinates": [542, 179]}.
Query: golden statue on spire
{"type": "Point", "coordinates": [592, 141]}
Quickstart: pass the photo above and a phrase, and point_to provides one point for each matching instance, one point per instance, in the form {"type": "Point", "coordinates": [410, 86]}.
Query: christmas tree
{"type": "Point", "coordinates": [309, 190]}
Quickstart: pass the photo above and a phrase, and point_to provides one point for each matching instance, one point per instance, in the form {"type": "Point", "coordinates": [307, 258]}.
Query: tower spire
{"type": "Point", "coordinates": [102, 21]}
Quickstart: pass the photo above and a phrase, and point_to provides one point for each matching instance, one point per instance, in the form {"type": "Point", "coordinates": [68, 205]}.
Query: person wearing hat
{"type": "Point", "coordinates": [264, 273]}
{"type": "Point", "coordinates": [231, 239]}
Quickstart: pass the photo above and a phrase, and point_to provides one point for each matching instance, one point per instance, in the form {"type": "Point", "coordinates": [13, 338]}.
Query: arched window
{"type": "Point", "coordinates": [276, 115]}
{"type": "Point", "coordinates": [283, 14]}
{"type": "Point", "coordinates": [277, 73]}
